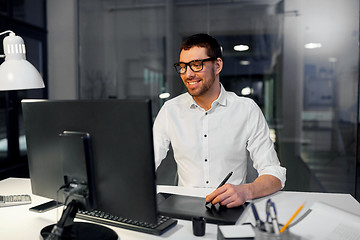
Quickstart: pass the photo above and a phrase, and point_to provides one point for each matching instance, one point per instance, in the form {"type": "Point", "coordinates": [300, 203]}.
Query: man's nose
{"type": "Point", "coordinates": [189, 72]}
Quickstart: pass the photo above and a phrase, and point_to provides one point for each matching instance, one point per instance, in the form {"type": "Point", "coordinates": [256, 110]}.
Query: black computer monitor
{"type": "Point", "coordinates": [122, 146]}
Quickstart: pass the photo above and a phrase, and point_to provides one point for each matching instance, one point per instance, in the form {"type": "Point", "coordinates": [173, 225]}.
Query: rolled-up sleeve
{"type": "Point", "coordinates": [261, 147]}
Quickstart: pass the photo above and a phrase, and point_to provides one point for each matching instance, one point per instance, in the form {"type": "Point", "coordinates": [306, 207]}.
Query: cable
{"type": "Point", "coordinates": [57, 198]}
{"type": "Point", "coordinates": [71, 207]}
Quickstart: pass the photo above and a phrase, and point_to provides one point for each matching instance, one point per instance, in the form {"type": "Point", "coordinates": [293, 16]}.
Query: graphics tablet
{"type": "Point", "coordinates": [186, 207]}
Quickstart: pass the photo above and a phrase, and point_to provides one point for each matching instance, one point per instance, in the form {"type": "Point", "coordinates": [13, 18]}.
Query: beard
{"type": "Point", "coordinates": [203, 88]}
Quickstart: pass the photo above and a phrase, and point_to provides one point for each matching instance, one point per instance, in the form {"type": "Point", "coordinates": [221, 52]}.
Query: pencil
{"type": "Point", "coordinates": [292, 218]}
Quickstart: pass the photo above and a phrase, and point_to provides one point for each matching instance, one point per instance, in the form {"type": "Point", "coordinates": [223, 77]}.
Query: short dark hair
{"type": "Point", "coordinates": [203, 40]}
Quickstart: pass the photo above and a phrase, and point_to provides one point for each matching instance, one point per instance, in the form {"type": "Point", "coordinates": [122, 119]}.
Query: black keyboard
{"type": "Point", "coordinates": [164, 223]}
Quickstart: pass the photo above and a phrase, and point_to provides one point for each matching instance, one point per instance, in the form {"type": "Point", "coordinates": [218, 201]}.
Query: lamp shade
{"type": "Point", "coordinates": [16, 72]}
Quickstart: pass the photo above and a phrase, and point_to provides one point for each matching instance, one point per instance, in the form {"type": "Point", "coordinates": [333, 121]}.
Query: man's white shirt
{"type": "Point", "coordinates": [209, 144]}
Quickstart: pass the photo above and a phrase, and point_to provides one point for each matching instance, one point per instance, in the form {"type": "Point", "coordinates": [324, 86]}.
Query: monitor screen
{"type": "Point", "coordinates": [122, 146]}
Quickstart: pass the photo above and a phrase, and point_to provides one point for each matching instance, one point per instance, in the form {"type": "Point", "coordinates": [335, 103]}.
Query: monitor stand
{"type": "Point", "coordinates": [67, 229]}
{"type": "Point", "coordinates": [81, 231]}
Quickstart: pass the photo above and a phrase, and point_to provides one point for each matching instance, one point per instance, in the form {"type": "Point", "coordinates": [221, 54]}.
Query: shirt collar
{"type": "Point", "coordinates": [222, 97]}
{"type": "Point", "coordinates": [221, 100]}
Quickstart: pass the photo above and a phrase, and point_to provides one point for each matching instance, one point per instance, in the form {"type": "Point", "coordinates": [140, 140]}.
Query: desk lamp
{"type": "Point", "coordinates": [16, 72]}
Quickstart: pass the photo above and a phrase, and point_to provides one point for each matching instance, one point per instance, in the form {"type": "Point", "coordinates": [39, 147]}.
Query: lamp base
{"type": "Point", "coordinates": [82, 231]}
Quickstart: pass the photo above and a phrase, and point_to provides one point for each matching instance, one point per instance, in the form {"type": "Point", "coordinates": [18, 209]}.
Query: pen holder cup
{"type": "Point", "coordinates": [264, 235]}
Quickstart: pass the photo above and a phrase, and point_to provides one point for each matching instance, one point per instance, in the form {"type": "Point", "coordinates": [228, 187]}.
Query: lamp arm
{"type": "Point", "coordinates": [8, 31]}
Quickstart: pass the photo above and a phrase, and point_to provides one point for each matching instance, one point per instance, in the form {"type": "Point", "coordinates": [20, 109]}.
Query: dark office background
{"type": "Point", "coordinates": [301, 68]}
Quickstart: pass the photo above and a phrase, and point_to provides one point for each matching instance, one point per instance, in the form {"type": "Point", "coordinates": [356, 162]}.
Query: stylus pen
{"type": "Point", "coordinates": [221, 184]}
{"type": "Point", "coordinates": [225, 179]}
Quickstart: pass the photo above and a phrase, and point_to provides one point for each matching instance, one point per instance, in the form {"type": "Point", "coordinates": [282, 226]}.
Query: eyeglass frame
{"type": "Point", "coordinates": [188, 64]}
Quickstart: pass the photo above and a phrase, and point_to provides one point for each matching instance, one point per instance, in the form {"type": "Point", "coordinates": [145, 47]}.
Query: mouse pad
{"type": "Point", "coordinates": [186, 207]}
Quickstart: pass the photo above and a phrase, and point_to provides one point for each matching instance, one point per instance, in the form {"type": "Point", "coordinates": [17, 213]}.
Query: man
{"type": "Point", "coordinates": [213, 132]}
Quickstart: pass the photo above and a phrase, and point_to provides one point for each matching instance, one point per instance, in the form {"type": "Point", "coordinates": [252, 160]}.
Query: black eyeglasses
{"type": "Point", "coordinates": [195, 65]}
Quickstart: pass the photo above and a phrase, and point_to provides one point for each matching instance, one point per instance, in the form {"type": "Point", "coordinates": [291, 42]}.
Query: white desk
{"type": "Point", "coordinates": [19, 223]}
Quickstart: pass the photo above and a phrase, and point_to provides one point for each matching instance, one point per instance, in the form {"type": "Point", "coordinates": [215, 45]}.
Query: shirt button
{"type": "Point", "coordinates": [205, 160]}
{"type": "Point", "coordinates": [207, 182]}
{"type": "Point", "coordinates": [206, 113]}
{"type": "Point", "coordinates": [205, 135]}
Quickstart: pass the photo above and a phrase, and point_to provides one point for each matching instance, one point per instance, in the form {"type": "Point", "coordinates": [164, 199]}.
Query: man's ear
{"type": "Point", "coordinates": [218, 65]}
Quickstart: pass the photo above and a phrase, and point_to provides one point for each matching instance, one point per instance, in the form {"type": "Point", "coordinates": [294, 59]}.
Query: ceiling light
{"type": "Point", "coordinates": [247, 91]}
{"type": "Point", "coordinates": [244, 62]}
{"type": "Point", "coordinates": [241, 48]}
{"type": "Point", "coordinates": [164, 95]}
{"type": "Point", "coordinates": [313, 45]}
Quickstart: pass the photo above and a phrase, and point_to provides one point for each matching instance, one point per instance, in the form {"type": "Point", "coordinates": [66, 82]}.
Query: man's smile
{"type": "Point", "coordinates": [194, 82]}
